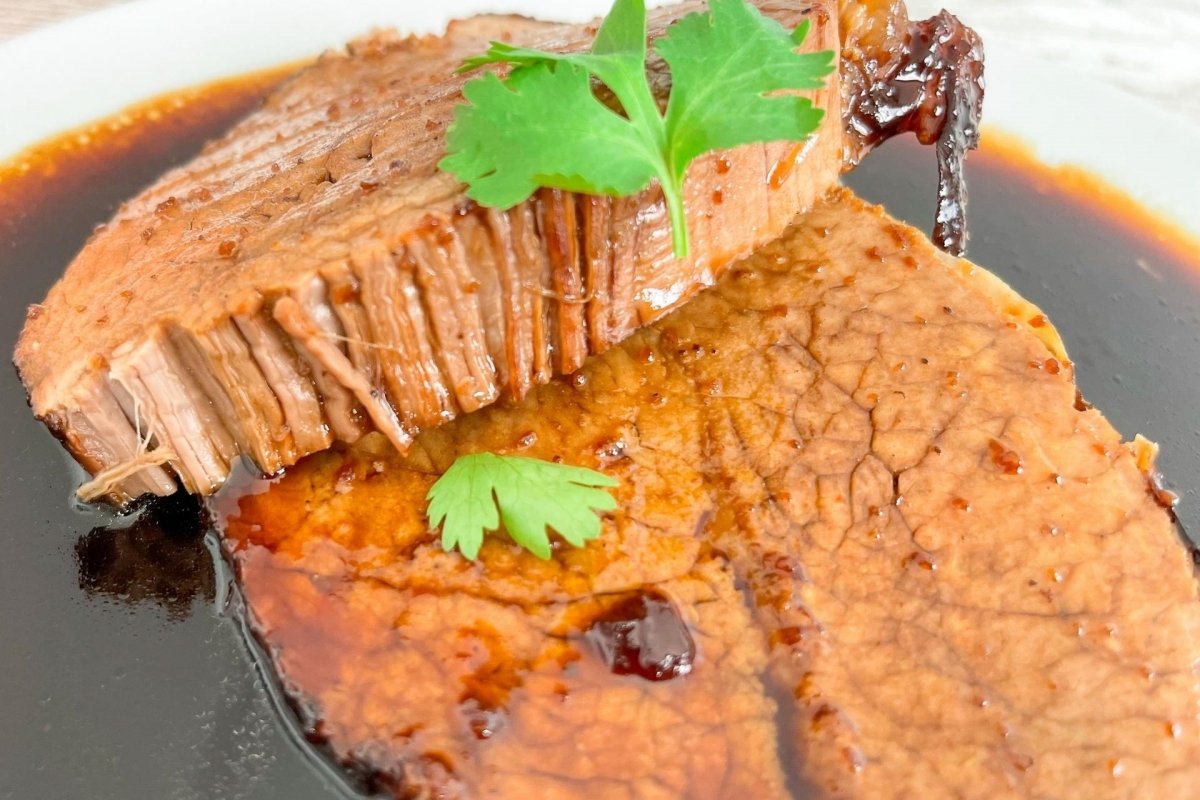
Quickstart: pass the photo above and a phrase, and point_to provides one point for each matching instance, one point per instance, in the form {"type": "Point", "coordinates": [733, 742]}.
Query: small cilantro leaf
{"type": "Point", "coordinates": [527, 495]}
{"type": "Point", "coordinates": [617, 58]}
{"type": "Point", "coordinates": [734, 74]}
{"type": "Point", "coordinates": [729, 71]}
{"type": "Point", "coordinates": [506, 144]}
{"type": "Point", "coordinates": [623, 30]}
{"type": "Point", "coordinates": [622, 35]}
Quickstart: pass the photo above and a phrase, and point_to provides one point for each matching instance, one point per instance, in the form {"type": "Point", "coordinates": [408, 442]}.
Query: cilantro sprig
{"type": "Point", "coordinates": [482, 491]}
{"type": "Point", "coordinates": [734, 74]}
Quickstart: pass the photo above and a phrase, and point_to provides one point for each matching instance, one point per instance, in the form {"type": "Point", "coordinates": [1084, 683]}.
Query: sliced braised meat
{"type": "Point", "coordinates": [312, 276]}
{"type": "Point", "coordinates": [869, 544]}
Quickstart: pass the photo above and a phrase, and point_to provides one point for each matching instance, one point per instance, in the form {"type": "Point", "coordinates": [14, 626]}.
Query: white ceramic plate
{"type": "Point", "coordinates": [93, 701]}
{"type": "Point", "coordinates": [91, 66]}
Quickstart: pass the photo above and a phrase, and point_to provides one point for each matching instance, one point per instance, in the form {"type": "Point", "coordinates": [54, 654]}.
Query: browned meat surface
{"type": "Point", "coordinates": [870, 544]}
{"type": "Point", "coordinates": [311, 276]}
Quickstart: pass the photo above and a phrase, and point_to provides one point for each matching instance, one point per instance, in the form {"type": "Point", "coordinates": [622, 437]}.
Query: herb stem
{"type": "Point", "coordinates": [674, 199]}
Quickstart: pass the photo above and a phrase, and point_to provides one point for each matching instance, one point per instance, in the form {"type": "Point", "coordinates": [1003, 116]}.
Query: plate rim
{"type": "Point", "coordinates": [115, 57]}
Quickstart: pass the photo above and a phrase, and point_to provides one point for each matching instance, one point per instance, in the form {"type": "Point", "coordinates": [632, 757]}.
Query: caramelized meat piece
{"type": "Point", "coordinates": [920, 77]}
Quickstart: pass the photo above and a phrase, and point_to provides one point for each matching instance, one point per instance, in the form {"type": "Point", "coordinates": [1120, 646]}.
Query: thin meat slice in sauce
{"type": "Point", "coordinates": [869, 544]}
{"type": "Point", "coordinates": [311, 276]}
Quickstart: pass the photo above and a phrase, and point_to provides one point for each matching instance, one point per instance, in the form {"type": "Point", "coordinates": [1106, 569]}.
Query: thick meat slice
{"type": "Point", "coordinates": [312, 276]}
{"type": "Point", "coordinates": [859, 498]}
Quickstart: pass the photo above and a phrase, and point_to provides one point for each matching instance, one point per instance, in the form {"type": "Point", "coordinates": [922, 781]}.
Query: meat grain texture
{"type": "Point", "coordinates": [908, 560]}
{"type": "Point", "coordinates": [312, 275]}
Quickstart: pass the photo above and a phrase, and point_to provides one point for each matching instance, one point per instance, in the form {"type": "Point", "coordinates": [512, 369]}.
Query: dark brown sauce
{"type": "Point", "coordinates": [141, 685]}
{"type": "Point", "coordinates": [644, 635]}
{"type": "Point", "coordinates": [933, 89]}
{"type": "Point", "coordinates": [160, 557]}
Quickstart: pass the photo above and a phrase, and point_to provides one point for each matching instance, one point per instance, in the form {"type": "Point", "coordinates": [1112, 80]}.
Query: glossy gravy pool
{"type": "Point", "coordinates": [121, 672]}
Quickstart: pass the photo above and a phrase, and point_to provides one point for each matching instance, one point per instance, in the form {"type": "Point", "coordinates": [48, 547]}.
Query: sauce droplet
{"type": "Point", "coordinates": [783, 167]}
{"type": "Point", "coordinates": [644, 635]}
{"type": "Point", "coordinates": [1007, 460]}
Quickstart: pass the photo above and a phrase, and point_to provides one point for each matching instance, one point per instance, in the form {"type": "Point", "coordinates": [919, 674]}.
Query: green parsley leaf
{"type": "Point", "coordinates": [620, 45]}
{"type": "Point", "coordinates": [734, 77]}
{"type": "Point", "coordinates": [482, 491]}
{"type": "Point", "coordinates": [504, 145]}
{"type": "Point", "coordinates": [731, 101]}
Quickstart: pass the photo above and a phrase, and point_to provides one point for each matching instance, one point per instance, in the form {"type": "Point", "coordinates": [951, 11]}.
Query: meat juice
{"type": "Point", "coordinates": [124, 669]}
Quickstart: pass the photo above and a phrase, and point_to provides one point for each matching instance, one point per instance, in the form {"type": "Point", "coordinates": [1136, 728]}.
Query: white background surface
{"type": "Point", "coordinates": [1149, 47]}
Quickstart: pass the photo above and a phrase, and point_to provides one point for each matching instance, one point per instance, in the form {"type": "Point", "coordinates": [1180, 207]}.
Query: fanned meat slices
{"type": "Point", "coordinates": [868, 545]}
{"type": "Point", "coordinates": [311, 276]}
